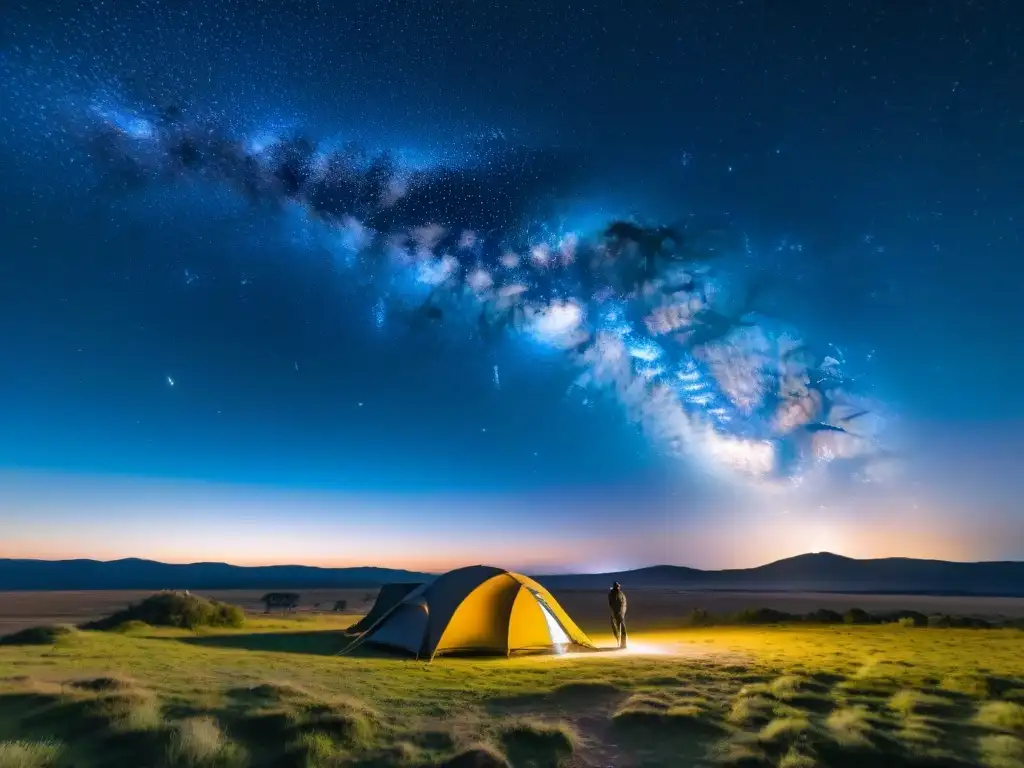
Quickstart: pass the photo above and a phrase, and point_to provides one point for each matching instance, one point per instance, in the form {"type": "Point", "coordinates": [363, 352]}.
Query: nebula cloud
{"type": "Point", "coordinates": [643, 313]}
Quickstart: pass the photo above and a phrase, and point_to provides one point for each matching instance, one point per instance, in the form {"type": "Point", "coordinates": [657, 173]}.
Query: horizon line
{"type": "Point", "coordinates": [430, 572]}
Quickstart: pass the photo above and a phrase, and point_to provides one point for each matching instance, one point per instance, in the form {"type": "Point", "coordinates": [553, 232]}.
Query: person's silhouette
{"type": "Point", "coordinates": [617, 603]}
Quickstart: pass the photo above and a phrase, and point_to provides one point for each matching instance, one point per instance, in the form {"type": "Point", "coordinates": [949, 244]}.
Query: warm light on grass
{"type": "Point", "coordinates": [275, 693]}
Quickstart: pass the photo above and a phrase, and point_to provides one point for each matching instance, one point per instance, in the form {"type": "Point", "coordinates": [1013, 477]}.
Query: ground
{"type": "Point", "coordinates": [274, 693]}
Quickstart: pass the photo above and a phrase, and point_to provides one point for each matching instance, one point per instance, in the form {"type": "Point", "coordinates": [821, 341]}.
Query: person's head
{"type": "Point", "coordinates": [616, 585]}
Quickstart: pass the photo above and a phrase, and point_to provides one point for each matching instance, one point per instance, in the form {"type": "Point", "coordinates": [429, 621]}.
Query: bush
{"type": "Point", "coordinates": [905, 618]}
{"type": "Point", "coordinates": [857, 616]}
{"type": "Point", "coordinates": [286, 601]}
{"type": "Point", "coordinates": [764, 616]}
{"type": "Point", "coordinates": [958, 622]}
{"type": "Point", "coordinates": [700, 618]}
{"type": "Point", "coordinates": [824, 616]}
{"type": "Point", "coordinates": [169, 609]}
{"type": "Point", "coordinates": [47, 635]}
{"type": "Point", "coordinates": [340, 605]}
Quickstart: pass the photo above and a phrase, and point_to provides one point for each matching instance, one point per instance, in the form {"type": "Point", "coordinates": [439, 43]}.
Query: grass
{"type": "Point", "coordinates": [273, 693]}
{"type": "Point", "coordinates": [28, 754]}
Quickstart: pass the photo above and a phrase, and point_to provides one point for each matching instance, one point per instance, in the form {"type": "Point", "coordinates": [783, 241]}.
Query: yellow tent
{"type": "Point", "coordinates": [478, 609]}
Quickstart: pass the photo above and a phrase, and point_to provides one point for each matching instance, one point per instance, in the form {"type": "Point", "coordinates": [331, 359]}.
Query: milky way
{"type": "Point", "coordinates": [651, 315]}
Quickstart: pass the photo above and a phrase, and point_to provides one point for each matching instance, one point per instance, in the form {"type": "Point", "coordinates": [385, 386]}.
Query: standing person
{"type": "Point", "coordinates": [617, 602]}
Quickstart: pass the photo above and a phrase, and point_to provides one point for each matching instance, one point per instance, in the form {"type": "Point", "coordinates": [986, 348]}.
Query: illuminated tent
{"type": "Point", "coordinates": [389, 596]}
{"type": "Point", "coordinates": [478, 609]}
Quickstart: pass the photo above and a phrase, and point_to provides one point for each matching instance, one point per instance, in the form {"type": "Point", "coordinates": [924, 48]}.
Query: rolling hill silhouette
{"type": "Point", "coordinates": [825, 572]}
{"type": "Point", "coordinates": [821, 572]}
{"type": "Point", "coordinates": [133, 573]}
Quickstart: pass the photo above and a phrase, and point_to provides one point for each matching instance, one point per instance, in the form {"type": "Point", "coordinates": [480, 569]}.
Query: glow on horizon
{"type": "Point", "coordinates": [109, 518]}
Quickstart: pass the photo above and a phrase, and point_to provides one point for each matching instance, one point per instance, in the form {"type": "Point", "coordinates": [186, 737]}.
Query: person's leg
{"type": "Point", "coordinates": [615, 628]}
{"type": "Point", "coordinates": [622, 632]}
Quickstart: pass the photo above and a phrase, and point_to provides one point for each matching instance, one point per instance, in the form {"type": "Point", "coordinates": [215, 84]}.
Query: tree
{"type": "Point", "coordinates": [340, 605]}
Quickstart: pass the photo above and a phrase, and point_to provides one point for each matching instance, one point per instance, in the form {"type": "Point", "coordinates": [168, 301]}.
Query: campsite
{"type": "Point", "coordinates": [279, 688]}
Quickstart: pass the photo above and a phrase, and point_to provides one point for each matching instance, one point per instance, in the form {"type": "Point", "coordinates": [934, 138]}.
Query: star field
{"type": "Point", "coordinates": [369, 248]}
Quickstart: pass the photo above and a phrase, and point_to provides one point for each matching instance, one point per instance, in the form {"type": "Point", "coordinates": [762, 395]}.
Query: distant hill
{"type": "Point", "coordinates": [147, 574]}
{"type": "Point", "coordinates": [822, 572]}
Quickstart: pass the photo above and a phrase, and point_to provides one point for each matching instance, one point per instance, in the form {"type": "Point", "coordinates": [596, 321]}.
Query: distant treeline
{"type": "Point", "coordinates": [701, 618]}
{"type": "Point", "coordinates": [289, 601]}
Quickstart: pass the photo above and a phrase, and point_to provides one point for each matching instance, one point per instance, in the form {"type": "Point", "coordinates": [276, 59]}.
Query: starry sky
{"type": "Point", "coordinates": [190, 375]}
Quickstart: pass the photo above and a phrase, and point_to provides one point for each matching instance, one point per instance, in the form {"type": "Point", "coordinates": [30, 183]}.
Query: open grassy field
{"type": "Point", "coordinates": [273, 694]}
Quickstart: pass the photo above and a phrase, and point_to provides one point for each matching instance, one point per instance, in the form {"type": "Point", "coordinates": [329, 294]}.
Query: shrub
{"type": "Point", "coordinates": [168, 609]}
{"type": "Point", "coordinates": [944, 621]}
{"type": "Point", "coordinates": [47, 635]}
{"type": "Point", "coordinates": [906, 618]}
{"type": "Point", "coordinates": [763, 616]}
{"type": "Point", "coordinates": [286, 601]}
{"type": "Point", "coordinates": [824, 616]}
{"type": "Point", "coordinates": [700, 618]}
{"type": "Point", "coordinates": [857, 616]}
{"type": "Point", "coordinates": [340, 605]}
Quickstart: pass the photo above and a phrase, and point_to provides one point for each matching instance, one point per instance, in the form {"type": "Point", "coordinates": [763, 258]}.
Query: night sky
{"type": "Point", "coordinates": [194, 371]}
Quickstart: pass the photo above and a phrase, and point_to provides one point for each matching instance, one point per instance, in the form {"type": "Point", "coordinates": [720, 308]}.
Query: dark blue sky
{"type": "Point", "coordinates": [871, 151]}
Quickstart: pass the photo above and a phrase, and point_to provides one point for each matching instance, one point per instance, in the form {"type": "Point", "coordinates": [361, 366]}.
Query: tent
{"type": "Point", "coordinates": [389, 596]}
{"type": "Point", "coordinates": [478, 609]}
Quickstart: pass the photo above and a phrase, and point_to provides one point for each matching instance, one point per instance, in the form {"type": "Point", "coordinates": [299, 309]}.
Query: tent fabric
{"type": "Point", "coordinates": [389, 596]}
{"type": "Point", "coordinates": [476, 609]}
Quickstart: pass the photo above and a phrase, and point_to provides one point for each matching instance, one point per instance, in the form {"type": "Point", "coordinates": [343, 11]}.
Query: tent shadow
{"type": "Point", "coordinates": [325, 643]}
{"type": "Point", "coordinates": [321, 643]}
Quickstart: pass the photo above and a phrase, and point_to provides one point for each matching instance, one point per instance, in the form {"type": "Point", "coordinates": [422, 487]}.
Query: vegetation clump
{"type": "Point", "coordinates": [534, 743]}
{"type": "Point", "coordinates": [28, 754]}
{"type": "Point", "coordinates": [1001, 715]}
{"type": "Point", "coordinates": [172, 609]}
{"type": "Point", "coordinates": [198, 741]}
{"type": "Point", "coordinates": [286, 601]}
{"type": "Point", "coordinates": [46, 635]}
{"type": "Point", "coordinates": [477, 757]}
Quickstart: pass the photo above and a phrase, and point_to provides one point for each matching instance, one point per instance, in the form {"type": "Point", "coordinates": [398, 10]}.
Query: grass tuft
{"type": "Point", "coordinates": [796, 759]}
{"type": "Point", "coordinates": [785, 730]}
{"type": "Point", "coordinates": [739, 754]}
{"type": "Point", "coordinates": [1001, 751]}
{"type": "Point", "coordinates": [29, 754]}
{"type": "Point", "coordinates": [667, 716]}
{"type": "Point", "coordinates": [199, 741]}
{"type": "Point", "coordinates": [966, 684]}
{"type": "Point", "coordinates": [909, 702]}
{"type": "Point", "coordinates": [751, 711]}
{"type": "Point", "coordinates": [104, 684]}
{"type": "Point", "coordinates": [1001, 715]}
{"type": "Point", "coordinates": [534, 743]}
{"type": "Point", "coordinates": [850, 726]}
{"type": "Point", "coordinates": [480, 756]}
{"type": "Point", "coordinates": [313, 749]}
{"type": "Point", "coordinates": [129, 710]}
